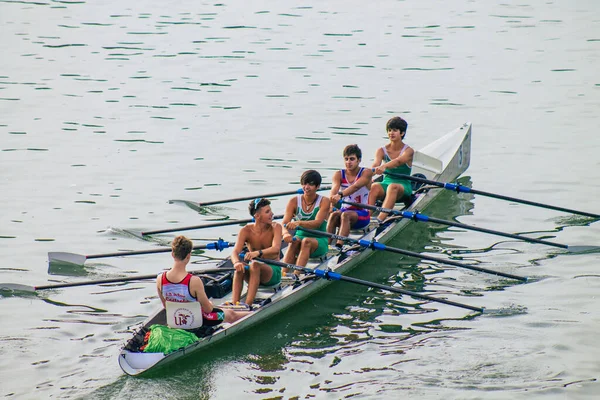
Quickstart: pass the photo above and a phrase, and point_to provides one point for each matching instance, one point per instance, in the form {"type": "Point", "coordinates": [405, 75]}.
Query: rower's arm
{"type": "Point", "coordinates": [290, 211]}
{"type": "Point", "coordinates": [378, 158]}
{"type": "Point", "coordinates": [197, 288]}
{"type": "Point", "coordinates": [336, 184]}
{"type": "Point", "coordinates": [239, 246]}
{"type": "Point", "coordinates": [159, 288]}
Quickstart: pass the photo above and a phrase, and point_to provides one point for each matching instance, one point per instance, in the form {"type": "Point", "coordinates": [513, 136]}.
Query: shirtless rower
{"type": "Point", "coordinates": [263, 239]}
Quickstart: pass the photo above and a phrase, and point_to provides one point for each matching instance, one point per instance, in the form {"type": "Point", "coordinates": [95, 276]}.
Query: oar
{"type": "Point", "coordinates": [464, 189]}
{"type": "Point", "coordinates": [297, 191]}
{"type": "Point", "coordinates": [213, 225]}
{"type": "Point", "coordinates": [26, 288]}
{"type": "Point", "coordinates": [339, 277]}
{"type": "Point", "coordinates": [80, 258]}
{"type": "Point", "coordinates": [424, 218]}
{"type": "Point", "coordinates": [379, 246]}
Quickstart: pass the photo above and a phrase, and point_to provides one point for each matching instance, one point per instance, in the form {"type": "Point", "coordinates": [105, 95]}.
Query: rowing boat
{"type": "Point", "coordinates": [443, 160]}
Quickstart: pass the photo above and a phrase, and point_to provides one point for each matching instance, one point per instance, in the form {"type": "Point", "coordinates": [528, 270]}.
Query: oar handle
{"type": "Point", "coordinates": [339, 277]}
{"type": "Point", "coordinates": [213, 225]}
{"type": "Point", "coordinates": [464, 189]}
{"type": "Point", "coordinates": [297, 191]}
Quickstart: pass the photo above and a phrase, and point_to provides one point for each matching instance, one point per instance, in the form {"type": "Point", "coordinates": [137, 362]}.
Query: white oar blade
{"type": "Point", "coordinates": [584, 249]}
{"type": "Point", "coordinates": [72, 258]}
{"type": "Point", "coordinates": [15, 287]}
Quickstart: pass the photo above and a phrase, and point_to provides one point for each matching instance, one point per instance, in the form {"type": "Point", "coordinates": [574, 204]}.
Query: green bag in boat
{"type": "Point", "coordinates": [162, 339]}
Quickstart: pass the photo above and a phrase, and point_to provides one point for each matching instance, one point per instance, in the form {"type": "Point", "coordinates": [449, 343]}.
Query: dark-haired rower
{"type": "Point", "coordinates": [263, 239]}
{"type": "Point", "coordinates": [396, 157]}
{"type": "Point", "coordinates": [307, 210]}
{"type": "Point", "coordinates": [352, 184]}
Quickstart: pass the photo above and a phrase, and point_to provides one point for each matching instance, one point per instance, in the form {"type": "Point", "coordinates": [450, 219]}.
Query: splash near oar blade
{"type": "Point", "coordinates": [464, 189]}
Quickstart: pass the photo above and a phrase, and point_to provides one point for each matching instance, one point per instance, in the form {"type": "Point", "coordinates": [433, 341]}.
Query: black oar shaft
{"type": "Point", "coordinates": [409, 293]}
{"type": "Point", "coordinates": [533, 203]}
{"type": "Point", "coordinates": [297, 191]}
{"type": "Point", "coordinates": [123, 279]}
{"type": "Point", "coordinates": [379, 246]}
{"type": "Point", "coordinates": [339, 277]}
{"type": "Point", "coordinates": [213, 225]}
{"type": "Point", "coordinates": [464, 189]}
{"type": "Point", "coordinates": [497, 233]}
{"type": "Point", "coordinates": [138, 252]}
{"type": "Point", "coordinates": [425, 218]}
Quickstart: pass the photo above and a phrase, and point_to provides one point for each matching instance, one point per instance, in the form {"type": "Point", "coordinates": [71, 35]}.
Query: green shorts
{"type": "Point", "coordinates": [275, 278]}
{"type": "Point", "coordinates": [322, 244]}
{"type": "Point", "coordinates": [405, 184]}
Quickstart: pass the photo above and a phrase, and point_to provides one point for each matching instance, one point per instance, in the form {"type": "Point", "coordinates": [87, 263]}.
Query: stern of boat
{"type": "Point", "coordinates": [453, 150]}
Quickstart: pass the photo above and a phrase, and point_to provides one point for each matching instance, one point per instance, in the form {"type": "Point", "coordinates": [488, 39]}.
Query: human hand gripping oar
{"type": "Point", "coordinates": [297, 191]}
{"type": "Point", "coordinates": [424, 218]}
{"type": "Point", "coordinates": [80, 259]}
{"type": "Point", "coordinates": [464, 189]}
{"type": "Point", "coordinates": [380, 246]}
{"type": "Point", "coordinates": [26, 288]}
{"type": "Point", "coordinates": [190, 228]}
{"type": "Point", "coordinates": [339, 277]}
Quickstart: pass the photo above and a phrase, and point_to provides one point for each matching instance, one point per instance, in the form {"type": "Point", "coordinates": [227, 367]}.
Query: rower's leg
{"type": "Point", "coordinates": [306, 248]}
{"type": "Point", "coordinates": [254, 281]}
{"type": "Point", "coordinates": [348, 219]}
{"type": "Point", "coordinates": [333, 222]}
{"type": "Point", "coordinates": [238, 285]}
{"type": "Point", "coordinates": [291, 253]}
{"type": "Point", "coordinates": [394, 192]}
{"type": "Point", "coordinates": [232, 316]}
{"type": "Point", "coordinates": [375, 194]}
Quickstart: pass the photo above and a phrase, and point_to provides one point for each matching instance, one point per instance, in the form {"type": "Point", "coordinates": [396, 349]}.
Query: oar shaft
{"type": "Point", "coordinates": [425, 218]}
{"type": "Point", "coordinates": [297, 191]}
{"type": "Point", "coordinates": [409, 293]}
{"type": "Point", "coordinates": [464, 189]}
{"type": "Point", "coordinates": [124, 279]}
{"type": "Point", "coordinates": [339, 277]}
{"type": "Point", "coordinates": [215, 246]}
{"type": "Point", "coordinates": [380, 246]}
{"type": "Point", "coordinates": [213, 225]}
